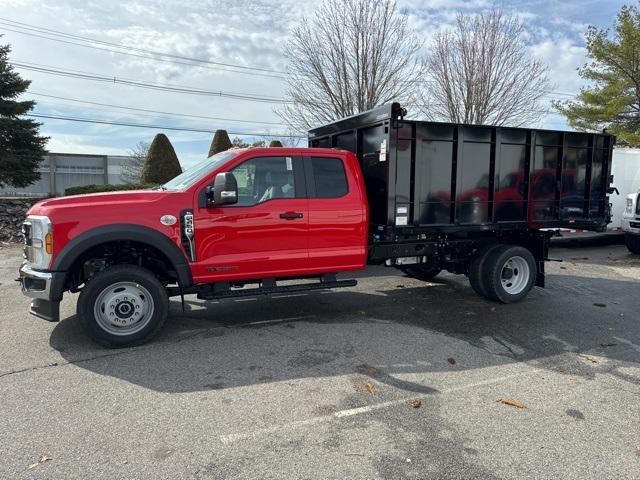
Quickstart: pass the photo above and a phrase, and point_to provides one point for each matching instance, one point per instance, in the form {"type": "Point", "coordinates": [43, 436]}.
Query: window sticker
{"type": "Point", "coordinates": [289, 164]}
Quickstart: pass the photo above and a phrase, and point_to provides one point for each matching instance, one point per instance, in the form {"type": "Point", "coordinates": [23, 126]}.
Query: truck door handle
{"type": "Point", "coordinates": [290, 215]}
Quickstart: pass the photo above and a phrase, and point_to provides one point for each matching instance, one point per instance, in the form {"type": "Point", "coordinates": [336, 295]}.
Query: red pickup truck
{"type": "Point", "coordinates": [242, 221]}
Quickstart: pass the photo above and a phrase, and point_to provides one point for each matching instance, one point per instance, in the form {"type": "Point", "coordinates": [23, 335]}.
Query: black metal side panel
{"type": "Point", "coordinates": [511, 175]}
{"type": "Point", "coordinates": [426, 177]}
{"type": "Point", "coordinates": [569, 179]}
{"type": "Point", "coordinates": [434, 182]}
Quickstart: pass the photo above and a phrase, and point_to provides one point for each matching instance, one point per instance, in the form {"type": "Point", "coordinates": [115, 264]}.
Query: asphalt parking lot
{"type": "Point", "coordinates": [321, 385]}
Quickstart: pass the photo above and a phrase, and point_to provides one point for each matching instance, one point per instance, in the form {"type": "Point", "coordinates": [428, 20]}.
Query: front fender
{"type": "Point", "coordinates": [118, 232]}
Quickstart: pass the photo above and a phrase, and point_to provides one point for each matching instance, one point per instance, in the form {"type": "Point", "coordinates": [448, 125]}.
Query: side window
{"type": "Point", "coordinates": [329, 176]}
{"type": "Point", "coordinates": [264, 178]}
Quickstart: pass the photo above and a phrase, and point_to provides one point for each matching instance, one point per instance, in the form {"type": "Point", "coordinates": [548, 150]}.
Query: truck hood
{"type": "Point", "coordinates": [125, 199]}
{"type": "Point", "coordinates": [71, 216]}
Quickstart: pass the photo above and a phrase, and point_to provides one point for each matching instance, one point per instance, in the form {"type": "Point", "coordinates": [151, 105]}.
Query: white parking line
{"type": "Point", "coordinates": [235, 437]}
{"type": "Point", "coordinates": [266, 322]}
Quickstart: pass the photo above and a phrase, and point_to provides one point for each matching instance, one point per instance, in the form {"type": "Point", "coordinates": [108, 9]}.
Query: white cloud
{"type": "Point", "coordinates": [244, 32]}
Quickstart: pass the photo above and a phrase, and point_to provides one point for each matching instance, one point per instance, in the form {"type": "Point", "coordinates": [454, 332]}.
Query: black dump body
{"type": "Point", "coordinates": [425, 177]}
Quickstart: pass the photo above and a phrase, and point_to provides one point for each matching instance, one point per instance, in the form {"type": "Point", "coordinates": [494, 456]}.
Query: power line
{"type": "Point", "coordinates": [198, 62]}
{"type": "Point", "coordinates": [154, 111]}
{"type": "Point", "coordinates": [148, 85]}
{"type": "Point", "coordinates": [148, 57]}
{"type": "Point", "coordinates": [156, 127]}
{"type": "Point", "coordinates": [54, 35]}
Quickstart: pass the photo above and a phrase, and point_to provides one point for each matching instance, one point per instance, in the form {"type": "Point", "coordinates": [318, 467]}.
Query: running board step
{"type": "Point", "coordinates": [220, 293]}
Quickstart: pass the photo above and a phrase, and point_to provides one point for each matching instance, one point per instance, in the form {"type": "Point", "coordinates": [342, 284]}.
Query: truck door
{"type": "Point", "coordinates": [338, 223]}
{"type": "Point", "coordinates": [265, 233]}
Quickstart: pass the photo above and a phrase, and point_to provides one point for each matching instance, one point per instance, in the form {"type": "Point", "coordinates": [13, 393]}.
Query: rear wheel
{"type": "Point", "coordinates": [123, 306]}
{"type": "Point", "coordinates": [476, 268]}
{"type": "Point", "coordinates": [421, 272]}
{"type": "Point", "coordinates": [633, 243]}
{"type": "Point", "coordinates": [509, 273]}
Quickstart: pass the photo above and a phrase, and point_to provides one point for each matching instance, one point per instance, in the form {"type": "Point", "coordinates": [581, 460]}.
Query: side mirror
{"type": "Point", "coordinates": [224, 190]}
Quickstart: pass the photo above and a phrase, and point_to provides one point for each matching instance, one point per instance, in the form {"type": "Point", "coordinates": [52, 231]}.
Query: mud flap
{"type": "Point", "coordinates": [45, 309]}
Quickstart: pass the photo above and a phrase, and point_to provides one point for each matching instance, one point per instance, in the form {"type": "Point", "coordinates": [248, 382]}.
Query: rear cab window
{"type": "Point", "coordinates": [329, 177]}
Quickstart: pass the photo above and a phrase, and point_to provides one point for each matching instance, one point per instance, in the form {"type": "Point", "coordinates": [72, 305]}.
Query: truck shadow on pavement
{"type": "Point", "coordinates": [578, 326]}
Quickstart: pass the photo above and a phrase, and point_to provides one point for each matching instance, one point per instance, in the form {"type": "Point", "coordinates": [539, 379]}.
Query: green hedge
{"type": "Point", "coordinates": [107, 188]}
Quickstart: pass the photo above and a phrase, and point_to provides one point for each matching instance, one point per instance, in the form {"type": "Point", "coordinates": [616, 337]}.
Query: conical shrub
{"type": "Point", "coordinates": [220, 142]}
{"type": "Point", "coordinates": [275, 143]}
{"type": "Point", "coordinates": [161, 164]}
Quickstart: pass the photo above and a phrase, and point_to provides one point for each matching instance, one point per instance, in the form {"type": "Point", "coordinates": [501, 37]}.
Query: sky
{"type": "Point", "coordinates": [242, 41]}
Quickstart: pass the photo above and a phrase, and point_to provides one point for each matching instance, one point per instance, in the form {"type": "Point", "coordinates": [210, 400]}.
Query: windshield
{"type": "Point", "coordinates": [192, 175]}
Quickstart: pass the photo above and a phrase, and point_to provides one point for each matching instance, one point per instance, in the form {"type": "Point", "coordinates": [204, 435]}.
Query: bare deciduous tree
{"type": "Point", "coordinates": [480, 72]}
{"type": "Point", "coordinates": [352, 55]}
{"type": "Point", "coordinates": [131, 169]}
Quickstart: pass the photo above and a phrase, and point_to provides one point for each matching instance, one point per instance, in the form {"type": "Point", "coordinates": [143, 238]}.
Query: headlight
{"type": "Point", "coordinates": [38, 241]}
{"type": "Point", "coordinates": [629, 209]}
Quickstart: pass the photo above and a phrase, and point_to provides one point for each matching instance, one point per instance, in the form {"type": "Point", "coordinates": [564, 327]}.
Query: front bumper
{"type": "Point", "coordinates": [35, 284]}
{"type": "Point", "coordinates": [631, 225]}
{"type": "Point", "coordinates": [39, 286]}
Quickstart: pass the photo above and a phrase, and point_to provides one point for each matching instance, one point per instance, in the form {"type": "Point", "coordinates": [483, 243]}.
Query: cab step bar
{"type": "Point", "coordinates": [221, 290]}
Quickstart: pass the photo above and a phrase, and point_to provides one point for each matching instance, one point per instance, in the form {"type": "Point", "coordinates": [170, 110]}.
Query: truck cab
{"type": "Point", "coordinates": [242, 216]}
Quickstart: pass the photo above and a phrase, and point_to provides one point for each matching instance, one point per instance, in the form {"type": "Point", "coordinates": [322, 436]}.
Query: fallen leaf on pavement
{"type": "Point", "coordinates": [470, 314]}
{"type": "Point", "coordinates": [451, 360]}
{"type": "Point", "coordinates": [590, 358]}
{"type": "Point", "coordinates": [608, 344]}
{"type": "Point", "coordinates": [512, 403]}
{"type": "Point", "coordinates": [572, 378]}
{"type": "Point", "coordinates": [370, 388]}
{"type": "Point", "coordinates": [601, 305]}
{"type": "Point", "coordinates": [41, 460]}
{"type": "Point", "coordinates": [415, 403]}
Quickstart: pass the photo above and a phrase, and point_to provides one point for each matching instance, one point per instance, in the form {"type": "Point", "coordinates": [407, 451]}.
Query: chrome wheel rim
{"type": "Point", "coordinates": [123, 308]}
{"type": "Point", "coordinates": [515, 275]}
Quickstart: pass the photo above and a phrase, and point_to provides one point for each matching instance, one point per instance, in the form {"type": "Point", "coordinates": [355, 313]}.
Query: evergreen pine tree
{"type": "Point", "coordinates": [161, 164]}
{"type": "Point", "coordinates": [612, 99]}
{"type": "Point", "coordinates": [21, 148]}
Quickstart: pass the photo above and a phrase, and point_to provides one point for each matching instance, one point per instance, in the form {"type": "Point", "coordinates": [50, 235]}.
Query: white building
{"type": "Point", "coordinates": [63, 170]}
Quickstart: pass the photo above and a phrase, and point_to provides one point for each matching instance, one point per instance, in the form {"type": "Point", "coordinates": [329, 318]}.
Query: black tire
{"type": "Point", "coordinates": [633, 243]}
{"type": "Point", "coordinates": [421, 272]}
{"type": "Point", "coordinates": [476, 267]}
{"type": "Point", "coordinates": [130, 284]}
{"type": "Point", "coordinates": [523, 271]}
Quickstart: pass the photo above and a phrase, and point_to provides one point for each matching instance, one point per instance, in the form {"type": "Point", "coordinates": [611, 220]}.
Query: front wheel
{"type": "Point", "coordinates": [421, 272]}
{"type": "Point", "coordinates": [509, 273]}
{"type": "Point", "coordinates": [633, 243]}
{"type": "Point", "coordinates": [122, 306]}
